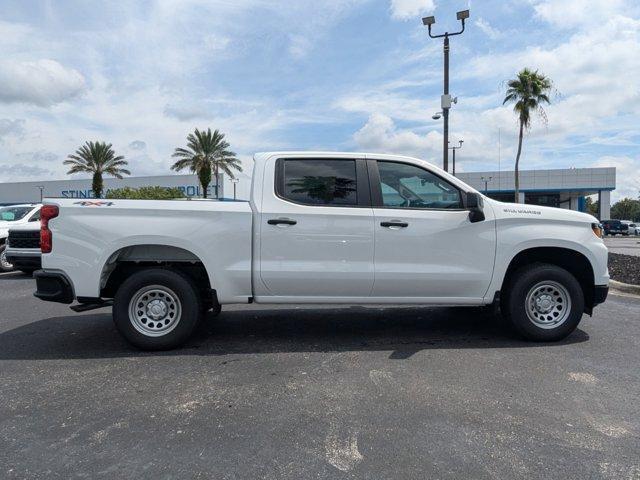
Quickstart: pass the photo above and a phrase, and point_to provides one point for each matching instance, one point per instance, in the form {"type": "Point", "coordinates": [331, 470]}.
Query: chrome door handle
{"type": "Point", "coordinates": [281, 221]}
{"type": "Point", "coordinates": [394, 224]}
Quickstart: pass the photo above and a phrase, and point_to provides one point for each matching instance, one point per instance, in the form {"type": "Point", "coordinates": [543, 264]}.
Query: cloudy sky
{"type": "Point", "coordinates": [315, 74]}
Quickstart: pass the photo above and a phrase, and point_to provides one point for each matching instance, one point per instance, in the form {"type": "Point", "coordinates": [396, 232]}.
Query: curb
{"type": "Point", "coordinates": [624, 287]}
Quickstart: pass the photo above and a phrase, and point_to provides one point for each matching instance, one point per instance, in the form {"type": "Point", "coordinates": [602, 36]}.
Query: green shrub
{"type": "Point", "coordinates": [146, 193]}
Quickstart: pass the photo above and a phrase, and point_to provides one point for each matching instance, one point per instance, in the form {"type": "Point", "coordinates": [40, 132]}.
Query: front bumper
{"type": "Point", "coordinates": [53, 287]}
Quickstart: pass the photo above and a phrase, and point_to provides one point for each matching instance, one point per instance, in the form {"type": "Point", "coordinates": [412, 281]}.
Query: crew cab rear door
{"type": "Point", "coordinates": [315, 229]}
{"type": "Point", "coordinates": [425, 244]}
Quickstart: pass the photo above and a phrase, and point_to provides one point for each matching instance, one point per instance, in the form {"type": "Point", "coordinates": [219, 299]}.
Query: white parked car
{"type": "Point", "coordinates": [323, 228]}
{"type": "Point", "coordinates": [634, 228]}
{"type": "Point", "coordinates": [10, 217]}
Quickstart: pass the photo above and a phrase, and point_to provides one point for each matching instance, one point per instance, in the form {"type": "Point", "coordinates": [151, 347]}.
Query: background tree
{"type": "Point", "coordinates": [206, 152]}
{"type": "Point", "coordinates": [592, 207]}
{"type": "Point", "coordinates": [146, 193]}
{"type": "Point", "coordinates": [529, 90]}
{"type": "Point", "coordinates": [97, 158]}
{"type": "Point", "coordinates": [626, 209]}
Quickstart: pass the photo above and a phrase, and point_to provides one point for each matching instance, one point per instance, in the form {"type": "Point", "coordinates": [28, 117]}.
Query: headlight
{"type": "Point", "coordinates": [597, 230]}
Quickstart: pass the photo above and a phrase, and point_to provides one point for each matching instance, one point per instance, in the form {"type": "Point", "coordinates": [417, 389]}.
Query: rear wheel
{"type": "Point", "coordinates": [157, 309]}
{"type": "Point", "coordinates": [544, 303]}
{"type": "Point", "coordinates": [5, 266]}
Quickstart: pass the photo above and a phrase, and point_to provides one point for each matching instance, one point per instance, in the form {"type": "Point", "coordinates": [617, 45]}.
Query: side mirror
{"type": "Point", "coordinates": [475, 205]}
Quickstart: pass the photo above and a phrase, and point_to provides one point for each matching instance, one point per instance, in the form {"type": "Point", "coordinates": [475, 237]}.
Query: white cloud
{"type": "Point", "coordinates": [185, 112]}
{"type": "Point", "coordinates": [381, 135]}
{"type": "Point", "coordinates": [137, 145]}
{"type": "Point", "coordinates": [591, 71]}
{"type": "Point", "coordinates": [388, 102]}
{"type": "Point", "coordinates": [20, 171]}
{"type": "Point", "coordinates": [216, 42]}
{"type": "Point", "coordinates": [406, 9]}
{"type": "Point", "coordinates": [42, 82]}
{"type": "Point", "coordinates": [488, 30]}
{"type": "Point", "coordinates": [627, 175]}
{"type": "Point", "coordinates": [572, 13]}
{"type": "Point", "coordinates": [11, 127]}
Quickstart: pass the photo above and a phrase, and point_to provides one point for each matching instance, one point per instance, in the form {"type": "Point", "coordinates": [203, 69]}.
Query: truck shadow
{"type": "Point", "coordinates": [401, 331]}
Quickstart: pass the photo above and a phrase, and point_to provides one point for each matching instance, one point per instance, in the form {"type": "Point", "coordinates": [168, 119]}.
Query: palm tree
{"type": "Point", "coordinates": [97, 158]}
{"type": "Point", "coordinates": [529, 90]}
{"type": "Point", "coordinates": [206, 152]}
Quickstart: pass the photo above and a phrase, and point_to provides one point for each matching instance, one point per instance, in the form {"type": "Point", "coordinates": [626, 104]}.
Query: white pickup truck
{"type": "Point", "coordinates": [323, 228]}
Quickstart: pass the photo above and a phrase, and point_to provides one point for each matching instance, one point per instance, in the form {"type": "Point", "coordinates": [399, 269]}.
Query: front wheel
{"type": "Point", "coordinates": [157, 309]}
{"type": "Point", "coordinates": [544, 302]}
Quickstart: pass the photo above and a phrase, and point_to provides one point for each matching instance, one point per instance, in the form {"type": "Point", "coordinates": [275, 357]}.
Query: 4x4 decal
{"type": "Point", "coordinates": [87, 203]}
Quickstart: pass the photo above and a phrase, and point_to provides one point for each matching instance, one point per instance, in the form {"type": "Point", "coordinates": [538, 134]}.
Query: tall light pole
{"type": "Point", "coordinates": [41, 187]}
{"type": "Point", "coordinates": [235, 182]}
{"type": "Point", "coordinates": [454, 155]}
{"type": "Point", "coordinates": [486, 181]}
{"type": "Point", "coordinates": [446, 99]}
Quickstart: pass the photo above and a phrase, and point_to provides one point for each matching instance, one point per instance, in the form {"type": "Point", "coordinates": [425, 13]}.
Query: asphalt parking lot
{"type": "Point", "coordinates": [291, 393]}
{"type": "Point", "coordinates": [625, 245]}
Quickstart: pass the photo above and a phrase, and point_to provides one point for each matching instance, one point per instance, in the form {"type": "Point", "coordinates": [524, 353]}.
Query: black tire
{"type": "Point", "coordinates": [5, 266]}
{"type": "Point", "coordinates": [559, 284]}
{"type": "Point", "coordinates": [178, 290]}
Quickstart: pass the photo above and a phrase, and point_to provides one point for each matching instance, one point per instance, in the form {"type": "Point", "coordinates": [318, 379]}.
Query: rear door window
{"type": "Point", "coordinates": [321, 182]}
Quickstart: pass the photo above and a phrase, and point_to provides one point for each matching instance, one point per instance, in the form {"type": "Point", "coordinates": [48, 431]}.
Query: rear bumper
{"type": "Point", "coordinates": [600, 293]}
{"type": "Point", "coordinates": [24, 258]}
{"type": "Point", "coordinates": [53, 287]}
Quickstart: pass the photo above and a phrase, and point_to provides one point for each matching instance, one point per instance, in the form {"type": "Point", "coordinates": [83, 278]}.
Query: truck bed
{"type": "Point", "coordinates": [89, 235]}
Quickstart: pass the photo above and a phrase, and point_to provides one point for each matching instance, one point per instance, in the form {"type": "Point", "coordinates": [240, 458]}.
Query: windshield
{"type": "Point", "coordinates": [13, 214]}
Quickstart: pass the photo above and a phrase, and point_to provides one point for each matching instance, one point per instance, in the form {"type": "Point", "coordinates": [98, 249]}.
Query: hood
{"type": "Point", "coordinates": [520, 210]}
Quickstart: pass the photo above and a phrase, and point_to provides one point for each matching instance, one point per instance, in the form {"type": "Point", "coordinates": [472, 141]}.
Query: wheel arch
{"type": "Point", "coordinates": [125, 261]}
{"type": "Point", "coordinates": [572, 260]}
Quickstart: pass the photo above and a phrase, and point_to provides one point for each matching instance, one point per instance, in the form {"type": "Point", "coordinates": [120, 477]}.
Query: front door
{"type": "Point", "coordinates": [316, 230]}
{"type": "Point", "coordinates": [425, 244]}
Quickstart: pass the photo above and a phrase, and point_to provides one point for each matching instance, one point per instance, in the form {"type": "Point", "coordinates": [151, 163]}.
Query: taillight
{"type": "Point", "coordinates": [47, 212]}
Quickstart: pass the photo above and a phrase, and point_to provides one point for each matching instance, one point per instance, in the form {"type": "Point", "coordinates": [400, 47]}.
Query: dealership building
{"type": "Point", "coordinates": [562, 188]}
{"type": "Point", "coordinates": [31, 192]}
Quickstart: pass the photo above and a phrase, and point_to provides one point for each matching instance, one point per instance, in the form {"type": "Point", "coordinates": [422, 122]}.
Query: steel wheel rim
{"type": "Point", "coordinates": [548, 304]}
{"type": "Point", "coordinates": [155, 310]}
{"type": "Point", "coordinates": [4, 262]}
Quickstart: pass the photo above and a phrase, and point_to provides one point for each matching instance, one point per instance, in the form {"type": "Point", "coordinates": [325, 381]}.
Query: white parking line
{"type": "Point", "coordinates": [8, 273]}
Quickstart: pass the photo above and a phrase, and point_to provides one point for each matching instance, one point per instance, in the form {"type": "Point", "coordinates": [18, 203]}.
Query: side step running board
{"type": "Point", "coordinates": [85, 307]}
